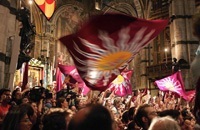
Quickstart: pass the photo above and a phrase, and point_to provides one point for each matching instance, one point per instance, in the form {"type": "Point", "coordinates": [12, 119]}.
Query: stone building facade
{"type": "Point", "coordinates": [150, 64]}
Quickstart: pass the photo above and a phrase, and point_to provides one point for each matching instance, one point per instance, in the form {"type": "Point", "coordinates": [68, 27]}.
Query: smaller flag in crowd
{"type": "Point", "coordinates": [174, 83]}
{"type": "Point", "coordinates": [122, 84]}
{"type": "Point", "coordinates": [72, 71]}
{"type": "Point", "coordinates": [58, 79]}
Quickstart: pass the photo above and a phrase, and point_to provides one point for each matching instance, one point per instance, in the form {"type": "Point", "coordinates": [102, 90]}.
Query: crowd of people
{"type": "Point", "coordinates": [42, 109]}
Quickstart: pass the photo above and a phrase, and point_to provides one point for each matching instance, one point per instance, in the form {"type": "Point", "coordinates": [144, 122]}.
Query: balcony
{"type": "Point", "coordinates": [159, 71]}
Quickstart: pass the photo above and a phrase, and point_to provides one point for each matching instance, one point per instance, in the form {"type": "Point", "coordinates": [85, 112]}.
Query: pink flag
{"type": "Point", "coordinates": [72, 71]}
{"type": "Point", "coordinates": [122, 84]}
{"type": "Point", "coordinates": [189, 95]}
{"type": "Point", "coordinates": [173, 83]}
{"type": "Point", "coordinates": [58, 79]}
{"type": "Point", "coordinates": [104, 46]}
{"type": "Point", "coordinates": [83, 89]}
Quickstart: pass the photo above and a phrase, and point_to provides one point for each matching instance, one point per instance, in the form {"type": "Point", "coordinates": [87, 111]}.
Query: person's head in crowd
{"type": "Point", "coordinates": [62, 103]}
{"type": "Point", "coordinates": [186, 113]}
{"type": "Point", "coordinates": [56, 119]}
{"type": "Point", "coordinates": [108, 103]}
{"type": "Point", "coordinates": [92, 117]}
{"type": "Point", "coordinates": [132, 126]}
{"type": "Point", "coordinates": [30, 111]}
{"type": "Point", "coordinates": [34, 106]}
{"type": "Point", "coordinates": [175, 114]}
{"type": "Point", "coordinates": [131, 113]}
{"type": "Point", "coordinates": [164, 123]}
{"type": "Point", "coordinates": [35, 116]}
{"type": "Point", "coordinates": [144, 115]}
{"type": "Point", "coordinates": [73, 108]}
{"type": "Point", "coordinates": [18, 118]}
{"type": "Point", "coordinates": [117, 102]}
{"type": "Point", "coordinates": [125, 117]}
{"type": "Point", "coordinates": [25, 100]}
{"type": "Point", "coordinates": [80, 103]}
{"type": "Point", "coordinates": [5, 95]}
{"type": "Point", "coordinates": [187, 125]}
{"type": "Point", "coordinates": [16, 96]}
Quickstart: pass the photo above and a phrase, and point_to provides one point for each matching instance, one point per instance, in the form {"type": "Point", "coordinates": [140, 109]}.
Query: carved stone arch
{"type": "Point", "coordinates": [121, 7]}
{"type": "Point", "coordinates": [76, 5]}
{"type": "Point", "coordinates": [73, 13]}
{"type": "Point", "coordinates": [37, 19]}
{"type": "Point", "coordinates": [65, 21]}
{"type": "Point", "coordinates": [139, 7]}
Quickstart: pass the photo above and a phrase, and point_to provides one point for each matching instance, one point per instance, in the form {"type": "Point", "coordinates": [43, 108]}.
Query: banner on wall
{"type": "Point", "coordinates": [47, 7]}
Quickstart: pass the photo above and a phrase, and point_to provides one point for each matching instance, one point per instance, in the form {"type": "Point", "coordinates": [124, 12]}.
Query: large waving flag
{"type": "Point", "coordinates": [174, 83]}
{"type": "Point", "coordinates": [104, 46]}
{"type": "Point", "coordinates": [122, 84]}
{"type": "Point", "coordinates": [72, 71]}
{"type": "Point", "coordinates": [47, 7]}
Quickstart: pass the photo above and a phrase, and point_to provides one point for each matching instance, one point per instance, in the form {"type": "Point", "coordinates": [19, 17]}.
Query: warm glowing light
{"type": "Point", "coordinates": [30, 2]}
{"type": "Point", "coordinates": [166, 49]}
{"type": "Point", "coordinates": [97, 6]}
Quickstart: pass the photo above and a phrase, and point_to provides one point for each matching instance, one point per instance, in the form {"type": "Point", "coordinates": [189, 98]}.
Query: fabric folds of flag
{"type": "Point", "coordinates": [58, 79]}
{"type": "Point", "coordinates": [122, 84]}
{"type": "Point", "coordinates": [189, 95]}
{"type": "Point", "coordinates": [72, 71]}
{"type": "Point", "coordinates": [174, 83]}
{"type": "Point", "coordinates": [47, 7]}
{"type": "Point", "coordinates": [105, 44]}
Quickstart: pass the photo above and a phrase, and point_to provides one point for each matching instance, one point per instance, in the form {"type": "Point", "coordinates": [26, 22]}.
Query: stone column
{"type": "Point", "coordinates": [143, 64]}
{"type": "Point", "coordinates": [182, 40]}
{"type": "Point", "coordinates": [4, 12]}
{"type": "Point", "coordinates": [14, 59]}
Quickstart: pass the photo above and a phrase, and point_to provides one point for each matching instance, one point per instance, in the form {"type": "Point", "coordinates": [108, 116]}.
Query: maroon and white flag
{"type": "Point", "coordinates": [105, 44]}
{"type": "Point", "coordinates": [122, 84]}
{"type": "Point", "coordinates": [72, 71]}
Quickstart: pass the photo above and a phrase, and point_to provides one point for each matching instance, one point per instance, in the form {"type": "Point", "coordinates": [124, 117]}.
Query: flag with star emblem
{"type": "Point", "coordinates": [122, 84]}
{"type": "Point", "coordinates": [104, 45]}
{"type": "Point", "coordinates": [174, 83]}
